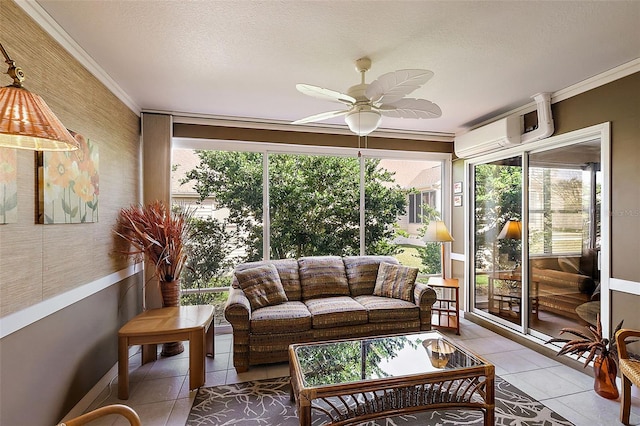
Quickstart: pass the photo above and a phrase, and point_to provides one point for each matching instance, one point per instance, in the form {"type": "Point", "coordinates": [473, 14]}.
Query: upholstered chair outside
{"type": "Point", "coordinates": [629, 371]}
{"type": "Point", "coordinates": [118, 409]}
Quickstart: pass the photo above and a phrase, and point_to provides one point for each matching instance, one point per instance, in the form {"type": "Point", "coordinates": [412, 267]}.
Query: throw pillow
{"type": "Point", "coordinates": [322, 276]}
{"type": "Point", "coordinates": [395, 281]}
{"type": "Point", "coordinates": [262, 286]}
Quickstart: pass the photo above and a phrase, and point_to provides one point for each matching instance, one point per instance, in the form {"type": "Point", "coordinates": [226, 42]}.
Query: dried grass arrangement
{"type": "Point", "coordinates": [157, 234]}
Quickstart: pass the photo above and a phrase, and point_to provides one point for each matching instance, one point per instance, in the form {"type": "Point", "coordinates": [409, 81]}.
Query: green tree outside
{"type": "Point", "coordinates": [313, 202]}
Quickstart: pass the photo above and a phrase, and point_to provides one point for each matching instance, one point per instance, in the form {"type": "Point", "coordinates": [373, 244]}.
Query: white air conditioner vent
{"type": "Point", "coordinates": [506, 132]}
{"type": "Point", "coordinates": [489, 138]}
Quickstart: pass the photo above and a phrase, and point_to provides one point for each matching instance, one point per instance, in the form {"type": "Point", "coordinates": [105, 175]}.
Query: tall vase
{"type": "Point", "coordinates": [170, 291]}
{"type": "Point", "coordinates": [605, 372]}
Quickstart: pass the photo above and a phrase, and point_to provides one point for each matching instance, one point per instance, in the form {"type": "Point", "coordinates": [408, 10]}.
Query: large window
{"type": "Point", "coordinates": [256, 205]}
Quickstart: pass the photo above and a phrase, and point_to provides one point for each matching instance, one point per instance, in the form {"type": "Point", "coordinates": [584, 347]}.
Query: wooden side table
{"type": "Point", "coordinates": [446, 310]}
{"type": "Point", "coordinates": [192, 323]}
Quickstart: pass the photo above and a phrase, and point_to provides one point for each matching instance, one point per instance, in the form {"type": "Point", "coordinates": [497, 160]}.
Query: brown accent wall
{"type": "Point", "coordinates": [47, 366]}
{"type": "Point", "coordinates": [305, 138]}
{"type": "Point", "coordinates": [619, 103]}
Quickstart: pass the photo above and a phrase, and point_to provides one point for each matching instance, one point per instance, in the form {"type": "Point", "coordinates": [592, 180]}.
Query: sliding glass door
{"type": "Point", "coordinates": [564, 236]}
{"type": "Point", "coordinates": [497, 239]}
{"type": "Point", "coordinates": [536, 237]}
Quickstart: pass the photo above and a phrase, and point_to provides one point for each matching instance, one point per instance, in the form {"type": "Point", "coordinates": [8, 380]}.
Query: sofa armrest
{"type": "Point", "coordinates": [237, 310]}
{"type": "Point", "coordinates": [424, 297]}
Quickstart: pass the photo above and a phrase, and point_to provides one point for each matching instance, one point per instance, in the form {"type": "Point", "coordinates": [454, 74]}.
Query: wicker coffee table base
{"type": "Point", "coordinates": [357, 402]}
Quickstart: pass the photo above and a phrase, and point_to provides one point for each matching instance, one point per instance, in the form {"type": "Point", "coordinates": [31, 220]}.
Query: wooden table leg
{"type": "Point", "coordinates": [149, 353]}
{"type": "Point", "coordinates": [196, 358]}
{"type": "Point", "coordinates": [210, 341]}
{"type": "Point", "coordinates": [490, 398]}
{"type": "Point", "coordinates": [304, 410]}
{"type": "Point", "coordinates": [123, 368]}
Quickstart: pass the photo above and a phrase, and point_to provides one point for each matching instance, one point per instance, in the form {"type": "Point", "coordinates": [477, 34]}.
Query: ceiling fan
{"type": "Point", "coordinates": [366, 103]}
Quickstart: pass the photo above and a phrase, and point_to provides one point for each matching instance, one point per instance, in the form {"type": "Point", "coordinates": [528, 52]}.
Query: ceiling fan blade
{"type": "Point", "coordinates": [411, 108]}
{"type": "Point", "coordinates": [326, 94]}
{"type": "Point", "coordinates": [321, 116]}
{"type": "Point", "coordinates": [393, 86]}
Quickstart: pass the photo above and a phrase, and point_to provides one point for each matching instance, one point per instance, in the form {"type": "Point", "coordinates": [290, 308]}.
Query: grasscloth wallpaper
{"type": "Point", "coordinates": [57, 359]}
{"type": "Point", "coordinates": [42, 261]}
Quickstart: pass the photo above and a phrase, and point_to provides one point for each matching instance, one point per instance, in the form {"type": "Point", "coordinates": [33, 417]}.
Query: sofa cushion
{"type": "Point", "coordinates": [262, 286]}
{"type": "Point", "coordinates": [322, 276]}
{"type": "Point", "coordinates": [362, 272]}
{"type": "Point", "coordinates": [287, 317]}
{"type": "Point", "coordinates": [288, 271]}
{"type": "Point", "coordinates": [383, 309]}
{"type": "Point", "coordinates": [336, 312]}
{"type": "Point", "coordinates": [395, 281]}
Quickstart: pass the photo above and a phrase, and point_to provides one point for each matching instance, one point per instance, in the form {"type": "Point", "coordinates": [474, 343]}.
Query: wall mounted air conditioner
{"type": "Point", "coordinates": [506, 132]}
{"type": "Point", "coordinates": [500, 134]}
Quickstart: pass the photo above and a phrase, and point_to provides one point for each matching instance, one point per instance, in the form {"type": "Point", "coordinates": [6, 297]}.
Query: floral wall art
{"type": "Point", "coordinates": [8, 185]}
{"type": "Point", "coordinates": [68, 184]}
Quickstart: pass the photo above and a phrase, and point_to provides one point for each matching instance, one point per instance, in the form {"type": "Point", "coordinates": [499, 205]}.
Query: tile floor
{"type": "Point", "coordinates": [159, 390]}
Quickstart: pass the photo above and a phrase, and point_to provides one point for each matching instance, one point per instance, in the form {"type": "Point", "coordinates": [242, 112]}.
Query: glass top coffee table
{"type": "Point", "coordinates": [353, 380]}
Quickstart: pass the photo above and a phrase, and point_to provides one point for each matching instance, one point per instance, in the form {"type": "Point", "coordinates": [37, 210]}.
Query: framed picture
{"type": "Point", "coordinates": [8, 185]}
{"type": "Point", "coordinates": [68, 184]}
{"type": "Point", "coordinates": [457, 201]}
{"type": "Point", "coordinates": [457, 187]}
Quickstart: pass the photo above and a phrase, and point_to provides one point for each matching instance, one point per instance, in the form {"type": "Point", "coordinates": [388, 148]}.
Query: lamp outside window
{"type": "Point", "coordinates": [437, 232]}
{"type": "Point", "coordinates": [26, 122]}
{"type": "Point", "coordinates": [512, 230]}
{"type": "Point", "coordinates": [363, 120]}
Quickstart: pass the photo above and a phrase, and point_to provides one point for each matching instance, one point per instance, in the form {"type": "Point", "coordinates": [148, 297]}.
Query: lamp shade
{"type": "Point", "coordinates": [437, 232]}
{"type": "Point", "coordinates": [512, 230]}
{"type": "Point", "coordinates": [26, 122]}
{"type": "Point", "coordinates": [363, 121]}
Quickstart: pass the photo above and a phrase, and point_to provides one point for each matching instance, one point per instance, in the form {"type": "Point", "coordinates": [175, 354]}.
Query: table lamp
{"type": "Point", "coordinates": [437, 232]}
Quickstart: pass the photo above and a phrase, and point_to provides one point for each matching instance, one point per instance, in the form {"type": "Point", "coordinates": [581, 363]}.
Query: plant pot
{"type": "Point", "coordinates": [170, 291]}
{"type": "Point", "coordinates": [605, 372]}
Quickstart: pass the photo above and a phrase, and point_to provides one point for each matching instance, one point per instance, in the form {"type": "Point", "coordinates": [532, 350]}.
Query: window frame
{"type": "Point", "coordinates": [361, 153]}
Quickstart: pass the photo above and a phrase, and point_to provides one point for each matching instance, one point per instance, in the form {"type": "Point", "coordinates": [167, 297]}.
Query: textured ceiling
{"type": "Point", "coordinates": [242, 59]}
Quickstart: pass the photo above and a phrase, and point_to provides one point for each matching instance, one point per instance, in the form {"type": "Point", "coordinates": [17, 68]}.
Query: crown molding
{"type": "Point", "coordinates": [606, 77]}
{"type": "Point", "coordinates": [42, 18]}
{"type": "Point", "coordinates": [583, 86]}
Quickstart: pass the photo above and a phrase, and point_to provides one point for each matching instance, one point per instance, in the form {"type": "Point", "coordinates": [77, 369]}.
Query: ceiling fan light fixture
{"type": "Point", "coordinates": [363, 121]}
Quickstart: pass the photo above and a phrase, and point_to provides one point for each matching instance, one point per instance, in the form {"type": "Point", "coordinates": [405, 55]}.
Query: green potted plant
{"type": "Point", "coordinates": [159, 235]}
{"type": "Point", "coordinates": [601, 350]}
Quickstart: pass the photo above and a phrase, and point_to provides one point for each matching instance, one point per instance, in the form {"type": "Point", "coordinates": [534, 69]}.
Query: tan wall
{"type": "Point", "coordinates": [619, 103]}
{"type": "Point", "coordinates": [54, 361]}
{"type": "Point", "coordinates": [457, 230]}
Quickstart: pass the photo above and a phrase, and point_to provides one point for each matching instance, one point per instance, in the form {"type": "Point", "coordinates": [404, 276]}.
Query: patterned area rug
{"type": "Point", "coordinates": [266, 402]}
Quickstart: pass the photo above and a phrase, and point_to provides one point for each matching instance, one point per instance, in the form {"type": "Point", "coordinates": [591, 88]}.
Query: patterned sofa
{"type": "Point", "coordinates": [273, 304]}
{"type": "Point", "coordinates": [565, 283]}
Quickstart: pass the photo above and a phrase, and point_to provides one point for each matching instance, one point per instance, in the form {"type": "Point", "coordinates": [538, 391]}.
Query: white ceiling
{"type": "Point", "coordinates": [242, 58]}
